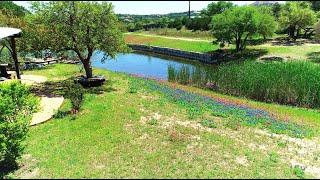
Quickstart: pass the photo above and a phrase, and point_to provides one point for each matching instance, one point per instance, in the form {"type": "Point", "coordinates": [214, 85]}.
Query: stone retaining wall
{"type": "Point", "coordinates": [202, 57]}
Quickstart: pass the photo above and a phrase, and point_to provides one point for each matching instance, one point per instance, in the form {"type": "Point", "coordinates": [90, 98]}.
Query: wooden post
{"type": "Point", "coordinates": [14, 56]}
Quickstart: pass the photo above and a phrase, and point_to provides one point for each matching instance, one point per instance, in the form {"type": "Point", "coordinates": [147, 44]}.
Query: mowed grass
{"type": "Point", "coordinates": [131, 131]}
{"type": "Point", "coordinates": [183, 33]}
{"type": "Point", "coordinates": [295, 52]}
{"type": "Point", "coordinates": [195, 46]}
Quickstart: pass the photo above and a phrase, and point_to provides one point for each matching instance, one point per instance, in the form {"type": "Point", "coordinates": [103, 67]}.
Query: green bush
{"type": "Point", "coordinates": [75, 93]}
{"type": "Point", "coordinates": [133, 86]}
{"type": "Point", "coordinates": [208, 123]}
{"type": "Point", "coordinates": [299, 172]}
{"type": "Point", "coordinates": [16, 106]}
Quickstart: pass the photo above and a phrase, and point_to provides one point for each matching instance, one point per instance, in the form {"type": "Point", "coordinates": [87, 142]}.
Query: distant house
{"type": "Point", "coordinates": [263, 3]}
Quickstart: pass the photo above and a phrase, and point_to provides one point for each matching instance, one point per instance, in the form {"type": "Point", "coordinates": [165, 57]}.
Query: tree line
{"type": "Point", "coordinates": [298, 19]}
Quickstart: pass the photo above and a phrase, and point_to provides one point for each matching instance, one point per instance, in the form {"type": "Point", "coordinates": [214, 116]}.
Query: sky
{"type": "Point", "coordinates": [153, 7]}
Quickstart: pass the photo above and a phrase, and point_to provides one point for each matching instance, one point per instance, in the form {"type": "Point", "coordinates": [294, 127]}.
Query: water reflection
{"type": "Point", "coordinates": [151, 65]}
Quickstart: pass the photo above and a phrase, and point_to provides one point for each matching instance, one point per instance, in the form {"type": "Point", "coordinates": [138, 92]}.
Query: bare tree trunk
{"type": "Point", "coordinates": [87, 68]}
{"type": "Point", "coordinates": [237, 45]}
{"type": "Point", "coordinates": [298, 33]}
{"type": "Point", "coordinates": [291, 32]}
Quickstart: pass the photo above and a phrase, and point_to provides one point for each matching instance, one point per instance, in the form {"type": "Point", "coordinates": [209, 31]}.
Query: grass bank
{"type": "Point", "coordinates": [293, 52]}
{"type": "Point", "coordinates": [183, 33]}
{"type": "Point", "coordinates": [137, 128]}
{"type": "Point", "coordinates": [171, 43]}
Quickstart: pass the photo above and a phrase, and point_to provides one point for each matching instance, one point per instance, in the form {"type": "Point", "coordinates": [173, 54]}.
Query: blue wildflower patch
{"type": "Point", "coordinates": [197, 104]}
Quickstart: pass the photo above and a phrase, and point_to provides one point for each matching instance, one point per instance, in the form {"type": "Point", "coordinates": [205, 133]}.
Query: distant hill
{"type": "Point", "coordinates": [131, 17]}
{"type": "Point", "coordinates": [263, 3]}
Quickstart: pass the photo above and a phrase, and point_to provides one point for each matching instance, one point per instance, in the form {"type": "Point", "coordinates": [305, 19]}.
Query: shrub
{"type": "Point", "coordinates": [233, 123]}
{"type": "Point", "coordinates": [133, 86]}
{"type": "Point", "coordinates": [153, 121]}
{"type": "Point", "coordinates": [16, 106]}
{"type": "Point", "coordinates": [208, 123]}
{"type": "Point", "coordinates": [60, 114]}
{"type": "Point", "coordinates": [299, 172]}
{"type": "Point", "coordinates": [74, 92]}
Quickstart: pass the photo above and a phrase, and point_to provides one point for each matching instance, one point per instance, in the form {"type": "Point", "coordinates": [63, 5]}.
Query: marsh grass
{"type": "Point", "coordinates": [291, 83]}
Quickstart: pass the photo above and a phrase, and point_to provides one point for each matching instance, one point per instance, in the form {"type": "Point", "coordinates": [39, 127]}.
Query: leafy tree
{"type": "Point", "coordinates": [177, 23]}
{"type": "Point", "coordinates": [211, 10]}
{"type": "Point", "coordinates": [82, 27]}
{"type": "Point", "coordinates": [296, 16]}
{"type": "Point", "coordinates": [131, 27]}
{"type": "Point", "coordinates": [317, 30]}
{"type": "Point", "coordinates": [266, 24]}
{"type": "Point", "coordinates": [8, 19]}
{"type": "Point", "coordinates": [216, 8]}
{"type": "Point", "coordinates": [138, 26]}
{"type": "Point", "coordinates": [184, 20]}
{"type": "Point", "coordinates": [35, 37]}
{"type": "Point", "coordinates": [276, 8]}
{"type": "Point", "coordinates": [9, 6]}
{"type": "Point", "coordinates": [238, 24]}
{"type": "Point", "coordinates": [315, 5]}
{"type": "Point", "coordinates": [163, 22]}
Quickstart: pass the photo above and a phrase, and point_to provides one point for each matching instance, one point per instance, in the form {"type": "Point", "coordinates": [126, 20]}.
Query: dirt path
{"type": "Point", "coordinates": [168, 37]}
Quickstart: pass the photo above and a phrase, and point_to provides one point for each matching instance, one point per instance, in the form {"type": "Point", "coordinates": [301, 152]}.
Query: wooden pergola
{"type": "Point", "coordinates": [10, 34]}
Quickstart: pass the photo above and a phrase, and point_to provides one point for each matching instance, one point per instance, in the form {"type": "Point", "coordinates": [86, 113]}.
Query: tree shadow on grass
{"type": "Point", "coordinates": [286, 41]}
{"type": "Point", "coordinates": [58, 88]}
{"type": "Point", "coordinates": [255, 42]}
{"type": "Point", "coordinates": [225, 55]}
{"type": "Point", "coordinates": [314, 57]}
{"type": "Point", "coordinates": [5, 169]}
{"type": "Point", "coordinates": [35, 67]}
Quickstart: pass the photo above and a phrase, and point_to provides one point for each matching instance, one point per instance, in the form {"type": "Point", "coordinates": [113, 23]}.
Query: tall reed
{"type": "Point", "coordinates": [292, 83]}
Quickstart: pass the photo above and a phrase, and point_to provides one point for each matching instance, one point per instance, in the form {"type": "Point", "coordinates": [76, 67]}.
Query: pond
{"type": "Point", "coordinates": [146, 64]}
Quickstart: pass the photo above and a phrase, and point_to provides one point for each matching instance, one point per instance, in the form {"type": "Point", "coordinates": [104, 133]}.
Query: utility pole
{"type": "Point", "coordinates": [189, 11]}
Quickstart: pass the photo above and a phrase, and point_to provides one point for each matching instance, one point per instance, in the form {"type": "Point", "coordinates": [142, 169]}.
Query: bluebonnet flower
{"type": "Point", "coordinates": [249, 116]}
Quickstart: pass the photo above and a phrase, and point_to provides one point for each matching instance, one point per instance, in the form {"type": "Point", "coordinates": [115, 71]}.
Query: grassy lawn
{"type": "Point", "coordinates": [309, 52]}
{"type": "Point", "coordinates": [171, 43]}
{"type": "Point", "coordinates": [142, 129]}
{"type": "Point", "coordinates": [183, 33]}
{"type": "Point", "coordinates": [304, 51]}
